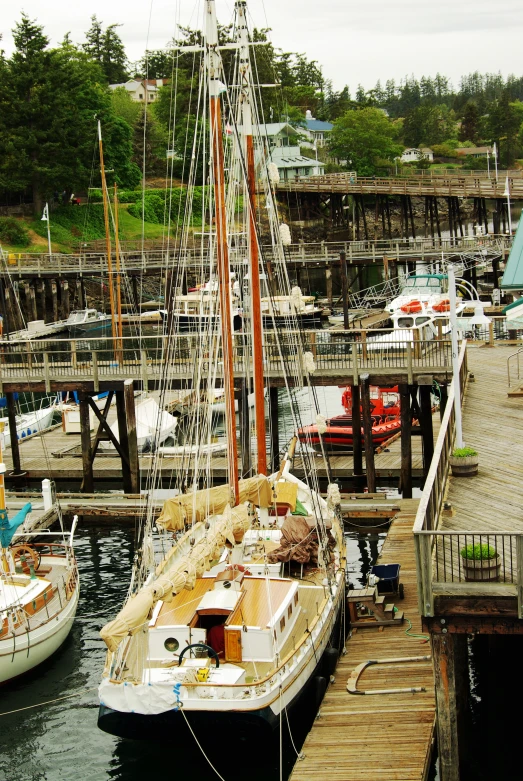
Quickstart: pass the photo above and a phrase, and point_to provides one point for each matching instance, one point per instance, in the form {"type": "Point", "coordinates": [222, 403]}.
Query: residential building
{"type": "Point", "coordinates": [284, 144]}
{"type": "Point", "coordinates": [414, 155]}
{"type": "Point", "coordinates": [474, 151]}
{"type": "Point", "coordinates": [316, 131]}
{"type": "Point", "coordinates": [141, 91]}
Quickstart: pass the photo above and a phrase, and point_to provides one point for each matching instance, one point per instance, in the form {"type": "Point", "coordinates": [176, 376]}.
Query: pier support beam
{"type": "Point", "coordinates": [126, 415]}
{"type": "Point", "coordinates": [40, 290]}
{"type": "Point", "coordinates": [54, 300]}
{"type": "Point", "coordinates": [275, 438]}
{"type": "Point", "coordinates": [85, 436]}
{"type": "Point", "coordinates": [406, 442]}
{"type": "Point", "coordinates": [425, 421]}
{"type": "Point", "coordinates": [31, 301]}
{"type": "Point", "coordinates": [367, 433]}
{"type": "Point", "coordinates": [65, 299]}
{"type": "Point", "coordinates": [245, 429]}
{"type": "Point", "coordinates": [357, 448]}
{"type": "Point", "coordinates": [15, 449]}
{"type": "Point", "coordinates": [443, 654]}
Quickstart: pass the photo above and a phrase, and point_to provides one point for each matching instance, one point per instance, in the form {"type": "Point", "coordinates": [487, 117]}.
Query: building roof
{"type": "Point", "coordinates": [274, 128]}
{"type": "Point", "coordinates": [474, 150]}
{"type": "Point", "coordinates": [513, 276]}
{"type": "Point", "coordinates": [317, 124]}
{"type": "Point", "coordinates": [297, 161]}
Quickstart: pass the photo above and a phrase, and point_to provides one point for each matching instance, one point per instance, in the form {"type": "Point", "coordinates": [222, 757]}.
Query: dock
{"type": "Point", "coordinates": [386, 737]}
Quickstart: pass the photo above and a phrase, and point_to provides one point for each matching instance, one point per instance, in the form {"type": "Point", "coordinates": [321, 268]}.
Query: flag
{"type": "Point", "coordinates": [45, 215]}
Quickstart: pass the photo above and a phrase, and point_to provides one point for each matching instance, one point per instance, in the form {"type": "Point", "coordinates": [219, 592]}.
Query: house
{"type": "Point", "coordinates": [413, 155]}
{"type": "Point", "coordinates": [284, 142]}
{"type": "Point", "coordinates": [316, 131]}
{"type": "Point", "coordinates": [139, 89]}
{"type": "Point", "coordinates": [474, 151]}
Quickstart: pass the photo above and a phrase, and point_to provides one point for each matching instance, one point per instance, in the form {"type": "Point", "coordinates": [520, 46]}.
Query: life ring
{"type": "Point", "coordinates": [442, 306]}
{"type": "Point", "coordinates": [412, 307]}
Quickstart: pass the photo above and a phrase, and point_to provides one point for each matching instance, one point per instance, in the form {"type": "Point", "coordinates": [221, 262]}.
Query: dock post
{"type": "Point", "coordinates": [446, 705]}
{"type": "Point", "coordinates": [31, 300]}
{"type": "Point", "coordinates": [427, 433]}
{"type": "Point", "coordinates": [80, 294]}
{"type": "Point", "coordinates": [15, 448]}
{"type": "Point", "coordinates": [54, 298]}
{"type": "Point", "coordinates": [328, 280]}
{"type": "Point", "coordinates": [344, 289]}
{"type": "Point", "coordinates": [85, 434]}
{"type": "Point", "coordinates": [126, 415]}
{"type": "Point", "coordinates": [65, 299]}
{"type": "Point", "coordinates": [357, 449]}
{"type": "Point", "coordinates": [442, 400]}
{"type": "Point", "coordinates": [40, 289]}
{"type": "Point", "coordinates": [406, 442]}
{"type": "Point", "coordinates": [370, 468]}
{"type": "Point", "coordinates": [245, 428]}
{"type": "Point", "coordinates": [274, 433]}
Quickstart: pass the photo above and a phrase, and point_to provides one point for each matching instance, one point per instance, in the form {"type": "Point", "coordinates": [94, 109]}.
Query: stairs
{"type": "Point", "coordinates": [367, 609]}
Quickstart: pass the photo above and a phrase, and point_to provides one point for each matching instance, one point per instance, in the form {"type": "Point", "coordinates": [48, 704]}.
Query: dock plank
{"type": "Point", "coordinates": [378, 737]}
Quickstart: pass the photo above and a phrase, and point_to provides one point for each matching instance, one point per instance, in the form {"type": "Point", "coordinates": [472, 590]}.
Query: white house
{"type": "Point", "coordinates": [316, 131]}
{"type": "Point", "coordinates": [415, 155]}
{"type": "Point", "coordinates": [141, 91]}
{"type": "Point", "coordinates": [474, 151]}
{"type": "Point", "coordinates": [284, 144]}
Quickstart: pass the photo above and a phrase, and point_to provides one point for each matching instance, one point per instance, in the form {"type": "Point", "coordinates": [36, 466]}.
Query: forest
{"type": "Point", "coordinates": [53, 98]}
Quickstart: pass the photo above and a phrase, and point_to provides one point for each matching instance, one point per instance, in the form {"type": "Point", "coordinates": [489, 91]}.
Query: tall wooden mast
{"type": "Point", "coordinates": [224, 278]}
{"type": "Point", "coordinates": [107, 235]}
{"type": "Point", "coordinates": [254, 265]}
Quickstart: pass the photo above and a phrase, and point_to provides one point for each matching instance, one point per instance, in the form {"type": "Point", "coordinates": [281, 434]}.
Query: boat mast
{"type": "Point", "coordinates": [107, 234]}
{"type": "Point", "coordinates": [224, 279]}
{"type": "Point", "coordinates": [254, 266]}
{"type": "Point", "coordinates": [119, 322]}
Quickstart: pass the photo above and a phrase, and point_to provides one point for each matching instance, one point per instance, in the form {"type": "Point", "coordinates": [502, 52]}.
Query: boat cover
{"type": "Point", "coordinates": [180, 511]}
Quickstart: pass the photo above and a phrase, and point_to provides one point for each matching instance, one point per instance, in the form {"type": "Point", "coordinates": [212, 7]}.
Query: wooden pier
{"type": "Point", "coordinates": [385, 737]}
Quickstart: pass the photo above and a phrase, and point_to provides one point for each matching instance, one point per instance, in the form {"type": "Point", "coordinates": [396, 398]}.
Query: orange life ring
{"type": "Point", "coordinates": [443, 306]}
{"type": "Point", "coordinates": [412, 307]}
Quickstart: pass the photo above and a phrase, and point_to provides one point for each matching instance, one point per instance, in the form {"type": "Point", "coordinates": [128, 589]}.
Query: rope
{"type": "Point", "coordinates": [200, 747]}
{"type": "Point", "coordinates": [50, 702]}
{"type": "Point", "coordinates": [408, 632]}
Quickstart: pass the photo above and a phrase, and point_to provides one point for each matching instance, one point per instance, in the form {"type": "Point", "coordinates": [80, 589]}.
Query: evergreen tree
{"type": "Point", "coordinates": [150, 142]}
{"type": "Point", "coordinates": [94, 41]}
{"type": "Point", "coordinates": [470, 123]}
{"type": "Point", "coordinates": [106, 48]}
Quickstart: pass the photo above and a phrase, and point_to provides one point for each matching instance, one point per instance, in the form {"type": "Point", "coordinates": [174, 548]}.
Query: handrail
{"type": "Point", "coordinates": [514, 355]}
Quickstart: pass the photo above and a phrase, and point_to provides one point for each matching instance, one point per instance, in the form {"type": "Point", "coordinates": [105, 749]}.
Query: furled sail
{"type": "Point", "coordinates": [181, 511]}
{"type": "Point", "coordinates": [228, 527]}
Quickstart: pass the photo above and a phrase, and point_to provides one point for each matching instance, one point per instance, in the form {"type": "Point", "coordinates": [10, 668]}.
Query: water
{"type": "Point", "coordinates": [60, 741]}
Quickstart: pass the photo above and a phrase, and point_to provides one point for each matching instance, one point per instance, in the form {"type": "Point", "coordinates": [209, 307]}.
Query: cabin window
{"type": "Point", "coordinates": [171, 645]}
{"type": "Point", "coordinates": [421, 320]}
{"type": "Point", "coordinates": [34, 604]}
{"type": "Point", "coordinates": [296, 598]}
{"type": "Point", "coordinates": [282, 623]}
{"type": "Point", "coordinates": [289, 611]}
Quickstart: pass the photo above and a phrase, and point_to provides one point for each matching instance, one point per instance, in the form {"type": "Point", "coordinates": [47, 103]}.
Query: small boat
{"type": "Point", "coordinates": [39, 592]}
{"type": "Point", "coordinates": [278, 311]}
{"type": "Point", "coordinates": [31, 422]}
{"type": "Point", "coordinates": [337, 432]}
{"type": "Point", "coordinates": [419, 292]}
{"type": "Point", "coordinates": [86, 321]}
{"type": "Point", "coordinates": [153, 426]}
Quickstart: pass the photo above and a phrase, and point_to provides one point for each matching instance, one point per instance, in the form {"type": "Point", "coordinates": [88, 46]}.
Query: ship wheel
{"type": "Point", "coordinates": [27, 551]}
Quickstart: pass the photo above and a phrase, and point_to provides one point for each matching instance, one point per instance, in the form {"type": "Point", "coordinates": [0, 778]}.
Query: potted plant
{"type": "Point", "coordinates": [480, 562]}
{"type": "Point", "coordinates": [464, 462]}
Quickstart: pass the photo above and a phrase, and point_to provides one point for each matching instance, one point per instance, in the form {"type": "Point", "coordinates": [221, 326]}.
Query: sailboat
{"type": "Point", "coordinates": [234, 621]}
{"type": "Point", "coordinates": [39, 590]}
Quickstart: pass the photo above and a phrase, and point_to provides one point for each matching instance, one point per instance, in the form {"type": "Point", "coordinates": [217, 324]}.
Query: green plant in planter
{"type": "Point", "coordinates": [479, 552]}
{"type": "Point", "coordinates": [464, 452]}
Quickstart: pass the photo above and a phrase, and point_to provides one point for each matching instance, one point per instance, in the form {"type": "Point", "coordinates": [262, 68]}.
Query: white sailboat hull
{"type": "Point", "coordinates": [30, 423]}
{"type": "Point", "coordinates": [34, 647]}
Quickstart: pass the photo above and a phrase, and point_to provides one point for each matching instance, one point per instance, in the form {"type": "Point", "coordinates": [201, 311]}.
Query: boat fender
{"type": "Point", "coordinates": [176, 690]}
{"type": "Point", "coordinates": [330, 661]}
{"type": "Point", "coordinates": [319, 687]}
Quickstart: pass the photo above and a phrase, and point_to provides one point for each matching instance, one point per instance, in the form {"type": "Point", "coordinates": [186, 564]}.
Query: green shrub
{"type": "Point", "coordinates": [156, 205]}
{"type": "Point", "coordinates": [479, 552]}
{"type": "Point", "coordinates": [83, 223]}
{"type": "Point", "coordinates": [464, 452]}
{"type": "Point", "coordinates": [13, 231]}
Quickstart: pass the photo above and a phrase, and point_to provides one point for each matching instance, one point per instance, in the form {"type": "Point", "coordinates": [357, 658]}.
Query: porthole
{"type": "Point", "coordinates": [171, 645]}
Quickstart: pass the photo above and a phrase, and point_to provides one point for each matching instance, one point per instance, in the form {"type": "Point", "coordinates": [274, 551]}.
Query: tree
{"type": "Point", "coordinates": [124, 106]}
{"type": "Point", "coordinates": [149, 141]}
{"type": "Point", "coordinates": [106, 48]}
{"type": "Point", "coordinates": [428, 124]}
{"type": "Point", "coordinates": [365, 138]}
{"type": "Point", "coordinates": [48, 103]}
{"type": "Point", "coordinates": [504, 122]}
{"type": "Point", "coordinates": [470, 123]}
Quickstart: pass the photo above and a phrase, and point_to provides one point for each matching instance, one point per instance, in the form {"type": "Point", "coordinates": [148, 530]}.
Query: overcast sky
{"type": "Point", "coordinates": [355, 42]}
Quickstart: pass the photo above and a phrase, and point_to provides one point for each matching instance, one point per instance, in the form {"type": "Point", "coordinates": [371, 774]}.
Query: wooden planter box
{"type": "Point", "coordinates": [483, 570]}
{"type": "Point", "coordinates": [464, 467]}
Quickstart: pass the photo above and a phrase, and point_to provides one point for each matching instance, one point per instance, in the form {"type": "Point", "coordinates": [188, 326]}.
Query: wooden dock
{"type": "Point", "coordinates": [384, 737]}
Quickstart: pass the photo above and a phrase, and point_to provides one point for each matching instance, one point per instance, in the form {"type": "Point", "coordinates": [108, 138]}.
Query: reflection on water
{"type": "Point", "coordinates": [55, 742]}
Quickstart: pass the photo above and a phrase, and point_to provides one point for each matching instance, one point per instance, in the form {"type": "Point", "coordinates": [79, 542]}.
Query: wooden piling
{"type": "Point", "coordinates": [328, 283]}
{"type": "Point", "coordinates": [406, 442]}
{"type": "Point", "coordinates": [31, 301]}
{"type": "Point", "coordinates": [40, 289]}
{"type": "Point", "coordinates": [15, 449]}
{"type": "Point", "coordinates": [344, 289]}
{"type": "Point", "coordinates": [130, 412]}
{"type": "Point", "coordinates": [85, 435]}
{"type": "Point", "coordinates": [65, 299]}
{"type": "Point", "coordinates": [54, 300]}
{"type": "Point", "coordinates": [357, 445]}
{"type": "Point", "coordinates": [446, 705]}
{"type": "Point", "coordinates": [427, 432]}
{"type": "Point", "coordinates": [367, 433]}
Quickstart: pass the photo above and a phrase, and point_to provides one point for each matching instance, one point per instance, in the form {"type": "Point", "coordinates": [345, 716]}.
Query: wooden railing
{"type": "Point", "coordinates": [439, 563]}
{"type": "Point", "coordinates": [337, 354]}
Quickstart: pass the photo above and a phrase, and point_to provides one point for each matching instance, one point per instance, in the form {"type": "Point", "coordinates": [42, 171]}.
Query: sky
{"type": "Point", "coordinates": [355, 42]}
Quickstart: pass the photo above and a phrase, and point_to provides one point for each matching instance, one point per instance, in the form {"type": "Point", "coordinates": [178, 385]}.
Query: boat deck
{"type": "Point", "coordinates": [385, 737]}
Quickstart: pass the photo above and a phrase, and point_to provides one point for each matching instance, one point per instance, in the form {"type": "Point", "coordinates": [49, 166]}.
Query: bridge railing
{"type": "Point", "coordinates": [338, 352]}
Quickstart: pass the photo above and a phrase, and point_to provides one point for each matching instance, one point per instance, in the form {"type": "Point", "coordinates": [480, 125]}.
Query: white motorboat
{"type": "Point", "coordinates": [28, 423]}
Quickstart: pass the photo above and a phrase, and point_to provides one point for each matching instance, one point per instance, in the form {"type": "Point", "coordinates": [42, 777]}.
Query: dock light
{"type": "Point", "coordinates": [479, 318]}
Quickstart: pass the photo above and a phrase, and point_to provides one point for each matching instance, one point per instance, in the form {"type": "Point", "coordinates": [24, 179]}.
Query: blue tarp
{"type": "Point", "coordinates": [513, 276]}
